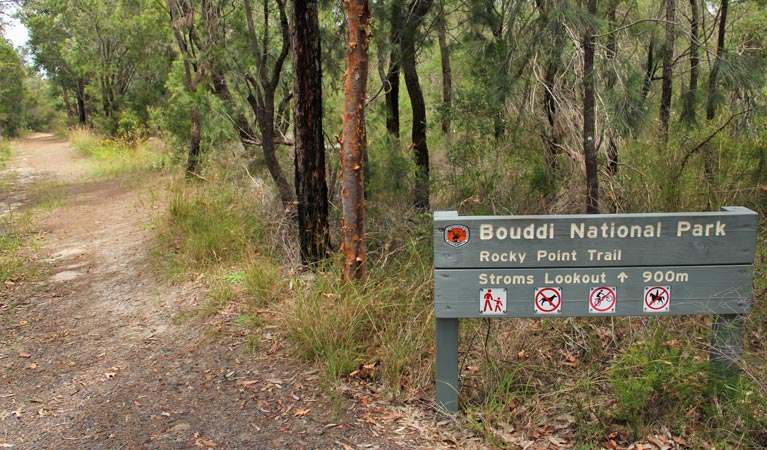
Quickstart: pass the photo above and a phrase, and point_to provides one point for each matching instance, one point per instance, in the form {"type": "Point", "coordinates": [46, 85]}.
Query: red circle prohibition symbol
{"type": "Point", "coordinates": [657, 298]}
{"type": "Point", "coordinates": [550, 297]}
{"type": "Point", "coordinates": [602, 299]}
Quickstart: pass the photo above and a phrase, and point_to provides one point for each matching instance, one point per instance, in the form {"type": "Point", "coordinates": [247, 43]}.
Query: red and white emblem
{"type": "Point", "coordinates": [456, 235]}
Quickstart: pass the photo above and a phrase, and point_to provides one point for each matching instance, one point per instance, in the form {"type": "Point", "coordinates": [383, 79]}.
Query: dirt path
{"type": "Point", "coordinates": [92, 358]}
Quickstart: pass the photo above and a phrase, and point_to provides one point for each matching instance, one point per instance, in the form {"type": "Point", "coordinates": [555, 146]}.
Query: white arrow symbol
{"type": "Point", "coordinates": [622, 276]}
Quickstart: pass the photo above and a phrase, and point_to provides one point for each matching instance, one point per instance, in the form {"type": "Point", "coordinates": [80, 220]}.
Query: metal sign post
{"type": "Point", "coordinates": [591, 265]}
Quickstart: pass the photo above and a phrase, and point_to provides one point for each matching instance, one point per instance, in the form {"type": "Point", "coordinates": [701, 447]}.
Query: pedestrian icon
{"type": "Point", "coordinates": [548, 300]}
{"type": "Point", "coordinates": [492, 301]}
{"type": "Point", "coordinates": [602, 300]}
{"type": "Point", "coordinates": [657, 298]}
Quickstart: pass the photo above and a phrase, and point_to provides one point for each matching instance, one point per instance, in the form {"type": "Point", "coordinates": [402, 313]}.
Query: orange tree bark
{"type": "Point", "coordinates": [353, 138]}
{"type": "Point", "coordinates": [311, 185]}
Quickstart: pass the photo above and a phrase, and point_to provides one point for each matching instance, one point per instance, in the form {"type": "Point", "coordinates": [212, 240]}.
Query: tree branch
{"type": "Point", "coordinates": [708, 139]}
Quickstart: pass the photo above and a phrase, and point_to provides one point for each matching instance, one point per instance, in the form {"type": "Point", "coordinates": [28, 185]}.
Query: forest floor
{"type": "Point", "coordinates": [95, 352]}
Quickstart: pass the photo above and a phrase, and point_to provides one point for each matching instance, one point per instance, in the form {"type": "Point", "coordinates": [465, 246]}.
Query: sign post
{"type": "Point", "coordinates": [589, 266]}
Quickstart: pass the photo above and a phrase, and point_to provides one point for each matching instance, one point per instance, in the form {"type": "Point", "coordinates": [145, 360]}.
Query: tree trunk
{"type": "Point", "coordinates": [690, 98]}
{"type": "Point", "coordinates": [182, 22]}
{"type": "Point", "coordinates": [649, 72]}
{"type": "Point", "coordinates": [391, 87]}
{"type": "Point", "coordinates": [193, 159]}
{"type": "Point", "coordinates": [712, 78]}
{"type": "Point", "coordinates": [262, 88]}
{"type": "Point", "coordinates": [80, 93]}
{"type": "Point", "coordinates": [418, 9]}
{"type": "Point", "coordinates": [667, 76]}
{"type": "Point", "coordinates": [241, 124]}
{"type": "Point", "coordinates": [266, 124]}
{"type": "Point", "coordinates": [68, 105]}
{"type": "Point", "coordinates": [353, 139]}
{"type": "Point", "coordinates": [447, 72]}
{"type": "Point", "coordinates": [612, 50]}
{"type": "Point", "coordinates": [392, 96]}
{"type": "Point", "coordinates": [712, 86]}
{"type": "Point", "coordinates": [311, 187]}
{"type": "Point", "coordinates": [589, 116]}
{"type": "Point", "coordinates": [551, 140]}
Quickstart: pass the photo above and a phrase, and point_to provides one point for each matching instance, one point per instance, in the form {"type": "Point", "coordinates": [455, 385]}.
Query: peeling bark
{"type": "Point", "coordinates": [353, 140]}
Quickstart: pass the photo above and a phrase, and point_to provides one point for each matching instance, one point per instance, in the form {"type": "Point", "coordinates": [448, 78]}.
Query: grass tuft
{"type": "Point", "coordinates": [5, 151]}
{"type": "Point", "coordinates": [118, 156]}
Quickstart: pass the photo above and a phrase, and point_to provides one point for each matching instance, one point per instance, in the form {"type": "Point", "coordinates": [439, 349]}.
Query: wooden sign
{"type": "Point", "coordinates": [705, 258]}
{"type": "Point", "coordinates": [591, 266]}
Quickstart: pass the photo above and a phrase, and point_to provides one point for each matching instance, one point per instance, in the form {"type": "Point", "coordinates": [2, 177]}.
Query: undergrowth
{"type": "Point", "coordinates": [227, 230]}
{"type": "Point", "coordinates": [14, 229]}
{"type": "Point", "coordinates": [5, 151]}
{"type": "Point", "coordinates": [121, 155]}
{"type": "Point", "coordinates": [611, 381]}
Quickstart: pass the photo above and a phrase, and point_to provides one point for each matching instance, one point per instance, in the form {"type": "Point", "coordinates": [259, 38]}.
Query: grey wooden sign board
{"type": "Point", "coordinates": [590, 266]}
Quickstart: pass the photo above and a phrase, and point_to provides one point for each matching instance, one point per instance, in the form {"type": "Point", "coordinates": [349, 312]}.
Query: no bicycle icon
{"type": "Point", "coordinates": [603, 300]}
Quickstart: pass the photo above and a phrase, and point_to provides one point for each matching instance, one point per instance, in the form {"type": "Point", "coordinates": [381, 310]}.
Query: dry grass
{"type": "Point", "coordinates": [590, 382]}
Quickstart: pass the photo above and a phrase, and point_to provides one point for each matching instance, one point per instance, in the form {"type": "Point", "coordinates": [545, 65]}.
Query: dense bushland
{"type": "Point", "coordinates": [675, 121]}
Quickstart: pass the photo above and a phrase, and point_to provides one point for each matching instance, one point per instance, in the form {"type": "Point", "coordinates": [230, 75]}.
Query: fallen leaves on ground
{"type": "Point", "coordinates": [202, 443]}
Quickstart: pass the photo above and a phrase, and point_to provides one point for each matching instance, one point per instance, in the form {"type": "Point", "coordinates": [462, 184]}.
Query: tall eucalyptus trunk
{"type": "Point", "coordinates": [353, 141]}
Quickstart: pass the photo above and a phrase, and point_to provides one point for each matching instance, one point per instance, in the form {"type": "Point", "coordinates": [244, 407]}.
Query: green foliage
{"type": "Point", "coordinates": [5, 151]}
{"type": "Point", "coordinates": [658, 380]}
{"type": "Point", "coordinates": [212, 223]}
{"type": "Point", "coordinates": [172, 121]}
{"type": "Point", "coordinates": [11, 262]}
{"type": "Point", "coordinates": [385, 321]}
{"type": "Point", "coordinates": [130, 129]}
{"type": "Point", "coordinates": [43, 109]}
{"type": "Point", "coordinates": [115, 157]}
{"type": "Point", "coordinates": [12, 75]}
{"type": "Point", "coordinates": [504, 389]}
{"type": "Point", "coordinates": [739, 418]}
{"type": "Point", "coordinates": [113, 55]}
